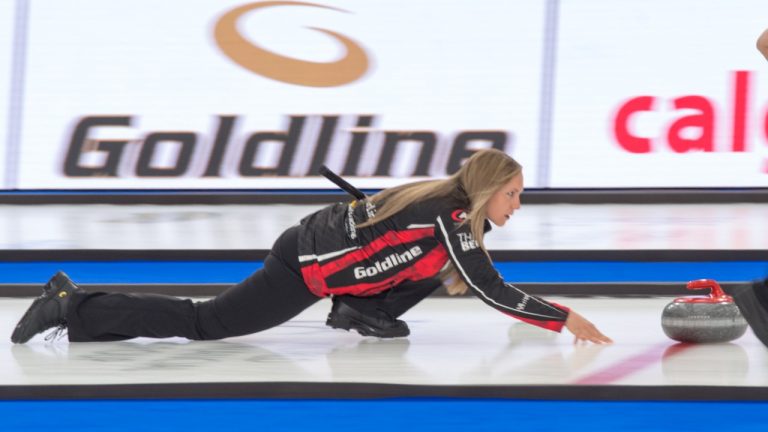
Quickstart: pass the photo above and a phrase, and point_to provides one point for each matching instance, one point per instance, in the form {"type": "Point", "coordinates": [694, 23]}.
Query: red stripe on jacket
{"type": "Point", "coordinates": [390, 238]}
{"type": "Point", "coordinates": [428, 266]}
{"type": "Point", "coordinates": [549, 325]}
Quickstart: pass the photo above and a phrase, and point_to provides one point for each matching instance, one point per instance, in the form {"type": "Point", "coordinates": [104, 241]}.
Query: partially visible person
{"type": "Point", "coordinates": [752, 301]}
{"type": "Point", "coordinates": [762, 44]}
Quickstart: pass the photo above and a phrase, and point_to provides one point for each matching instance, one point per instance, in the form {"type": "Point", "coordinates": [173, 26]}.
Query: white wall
{"type": "Point", "coordinates": [442, 69]}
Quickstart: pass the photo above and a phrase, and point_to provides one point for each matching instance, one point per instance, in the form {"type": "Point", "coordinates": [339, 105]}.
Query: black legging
{"type": "Point", "coordinates": [267, 298]}
{"type": "Point", "coordinates": [395, 301]}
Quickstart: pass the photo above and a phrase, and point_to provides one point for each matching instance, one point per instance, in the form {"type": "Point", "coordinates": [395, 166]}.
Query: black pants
{"type": "Point", "coordinates": [393, 302]}
{"type": "Point", "coordinates": [267, 298]}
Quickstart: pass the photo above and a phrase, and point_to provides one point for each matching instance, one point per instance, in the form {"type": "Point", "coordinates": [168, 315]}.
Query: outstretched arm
{"type": "Point", "coordinates": [762, 44]}
{"type": "Point", "coordinates": [477, 271]}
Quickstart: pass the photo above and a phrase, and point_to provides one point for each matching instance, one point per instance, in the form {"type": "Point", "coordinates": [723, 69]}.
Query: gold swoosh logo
{"type": "Point", "coordinates": [286, 69]}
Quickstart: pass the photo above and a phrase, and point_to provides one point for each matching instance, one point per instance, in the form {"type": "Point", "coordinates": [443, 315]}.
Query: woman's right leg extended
{"type": "Point", "coordinates": [263, 300]}
{"type": "Point", "coordinates": [267, 298]}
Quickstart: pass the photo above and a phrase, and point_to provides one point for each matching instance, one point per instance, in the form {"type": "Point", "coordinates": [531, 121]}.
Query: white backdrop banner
{"type": "Point", "coordinates": [237, 94]}
{"type": "Point", "coordinates": [241, 94]}
{"type": "Point", "coordinates": [7, 12]}
{"type": "Point", "coordinates": [658, 93]}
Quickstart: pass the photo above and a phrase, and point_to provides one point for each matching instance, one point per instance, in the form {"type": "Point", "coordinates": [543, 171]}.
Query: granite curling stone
{"type": "Point", "coordinates": [703, 319]}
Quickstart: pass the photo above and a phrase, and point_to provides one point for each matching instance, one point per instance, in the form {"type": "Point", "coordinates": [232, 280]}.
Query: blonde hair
{"type": "Point", "coordinates": [474, 183]}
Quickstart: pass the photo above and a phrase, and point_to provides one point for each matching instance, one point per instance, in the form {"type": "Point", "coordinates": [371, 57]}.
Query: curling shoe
{"type": "Point", "coordinates": [751, 303]}
{"type": "Point", "coordinates": [48, 310]}
{"type": "Point", "coordinates": [382, 325]}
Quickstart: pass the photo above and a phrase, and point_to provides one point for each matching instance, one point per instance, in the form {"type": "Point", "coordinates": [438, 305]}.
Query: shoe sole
{"type": "Point", "coordinates": [20, 328]}
{"type": "Point", "coordinates": [361, 328]}
{"type": "Point", "coordinates": [50, 290]}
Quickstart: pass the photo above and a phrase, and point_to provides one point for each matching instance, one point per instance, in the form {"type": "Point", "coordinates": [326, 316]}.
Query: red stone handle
{"type": "Point", "coordinates": [716, 292]}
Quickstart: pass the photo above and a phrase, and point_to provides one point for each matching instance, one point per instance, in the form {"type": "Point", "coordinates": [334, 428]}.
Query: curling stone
{"type": "Point", "coordinates": [703, 319]}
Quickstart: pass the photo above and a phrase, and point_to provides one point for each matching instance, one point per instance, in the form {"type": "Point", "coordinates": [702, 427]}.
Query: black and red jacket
{"type": "Point", "coordinates": [337, 257]}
